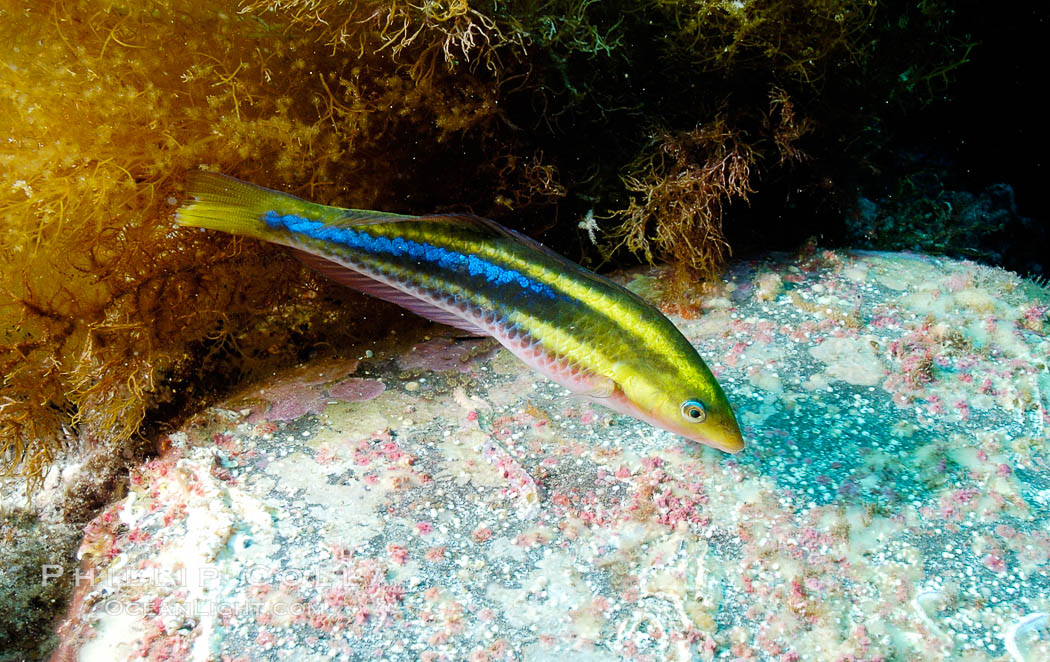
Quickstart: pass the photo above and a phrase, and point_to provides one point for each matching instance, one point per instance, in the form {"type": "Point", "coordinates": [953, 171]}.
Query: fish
{"type": "Point", "coordinates": [578, 328]}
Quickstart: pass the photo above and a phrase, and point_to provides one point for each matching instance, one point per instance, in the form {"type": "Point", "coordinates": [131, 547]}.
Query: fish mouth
{"type": "Point", "coordinates": [723, 435]}
{"type": "Point", "coordinates": [722, 438]}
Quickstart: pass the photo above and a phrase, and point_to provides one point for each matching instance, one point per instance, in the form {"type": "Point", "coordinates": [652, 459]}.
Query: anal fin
{"type": "Point", "coordinates": [364, 283]}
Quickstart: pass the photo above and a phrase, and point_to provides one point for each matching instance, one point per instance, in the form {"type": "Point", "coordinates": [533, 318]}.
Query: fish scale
{"type": "Point", "coordinates": [578, 328]}
{"type": "Point", "coordinates": [499, 298]}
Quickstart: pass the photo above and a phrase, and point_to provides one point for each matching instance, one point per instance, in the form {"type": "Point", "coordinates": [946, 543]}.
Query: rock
{"type": "Point", "coordinates": [892, 502]}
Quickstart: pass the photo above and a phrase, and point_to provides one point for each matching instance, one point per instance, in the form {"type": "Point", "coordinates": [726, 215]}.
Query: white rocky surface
{"type": "Point", "coordinates": [435, 500]}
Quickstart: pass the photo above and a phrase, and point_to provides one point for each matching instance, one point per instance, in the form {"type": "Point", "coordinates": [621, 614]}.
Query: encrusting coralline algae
{"type": "Point", "coordinates": [872, 516]}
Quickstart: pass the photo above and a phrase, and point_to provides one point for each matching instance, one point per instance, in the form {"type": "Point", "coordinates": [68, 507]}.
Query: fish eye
{"type": "Point", "coordinates": [694, 411]}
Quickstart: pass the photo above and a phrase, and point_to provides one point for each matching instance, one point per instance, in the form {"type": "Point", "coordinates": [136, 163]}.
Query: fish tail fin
{"type": "Point", "coordinates": [230, 205]}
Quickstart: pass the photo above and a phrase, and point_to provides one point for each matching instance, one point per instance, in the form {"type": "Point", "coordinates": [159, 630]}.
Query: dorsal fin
{"type": "Point", "coordinates": [495, 229]}
{"type": "Point", "coordinates": [353, 217]}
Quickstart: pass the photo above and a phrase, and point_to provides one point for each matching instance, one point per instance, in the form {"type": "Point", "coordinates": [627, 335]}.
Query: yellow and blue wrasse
{"type": "Point", "coordinates": [580, 329]}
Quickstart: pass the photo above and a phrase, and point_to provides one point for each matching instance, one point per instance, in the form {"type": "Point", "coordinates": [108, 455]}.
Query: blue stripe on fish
{"type": "Point", "coordinates": [400, 247]}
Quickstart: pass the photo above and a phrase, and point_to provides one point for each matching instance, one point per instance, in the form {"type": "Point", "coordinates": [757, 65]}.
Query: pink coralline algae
{"type": "Point", "coordinates": [356, 389]}
{"type": "Point", "coordinates": [447, 354]}
{"type": "Point", "coordinates": [291, 401]}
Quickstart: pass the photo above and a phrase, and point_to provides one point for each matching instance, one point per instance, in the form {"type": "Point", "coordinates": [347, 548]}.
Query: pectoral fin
{"type": "Point", "coordinates": [600, 387]}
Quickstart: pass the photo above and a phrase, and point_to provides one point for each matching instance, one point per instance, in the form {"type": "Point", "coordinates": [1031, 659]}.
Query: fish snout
{"type": "Point", "coordinates": [723, 434]}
